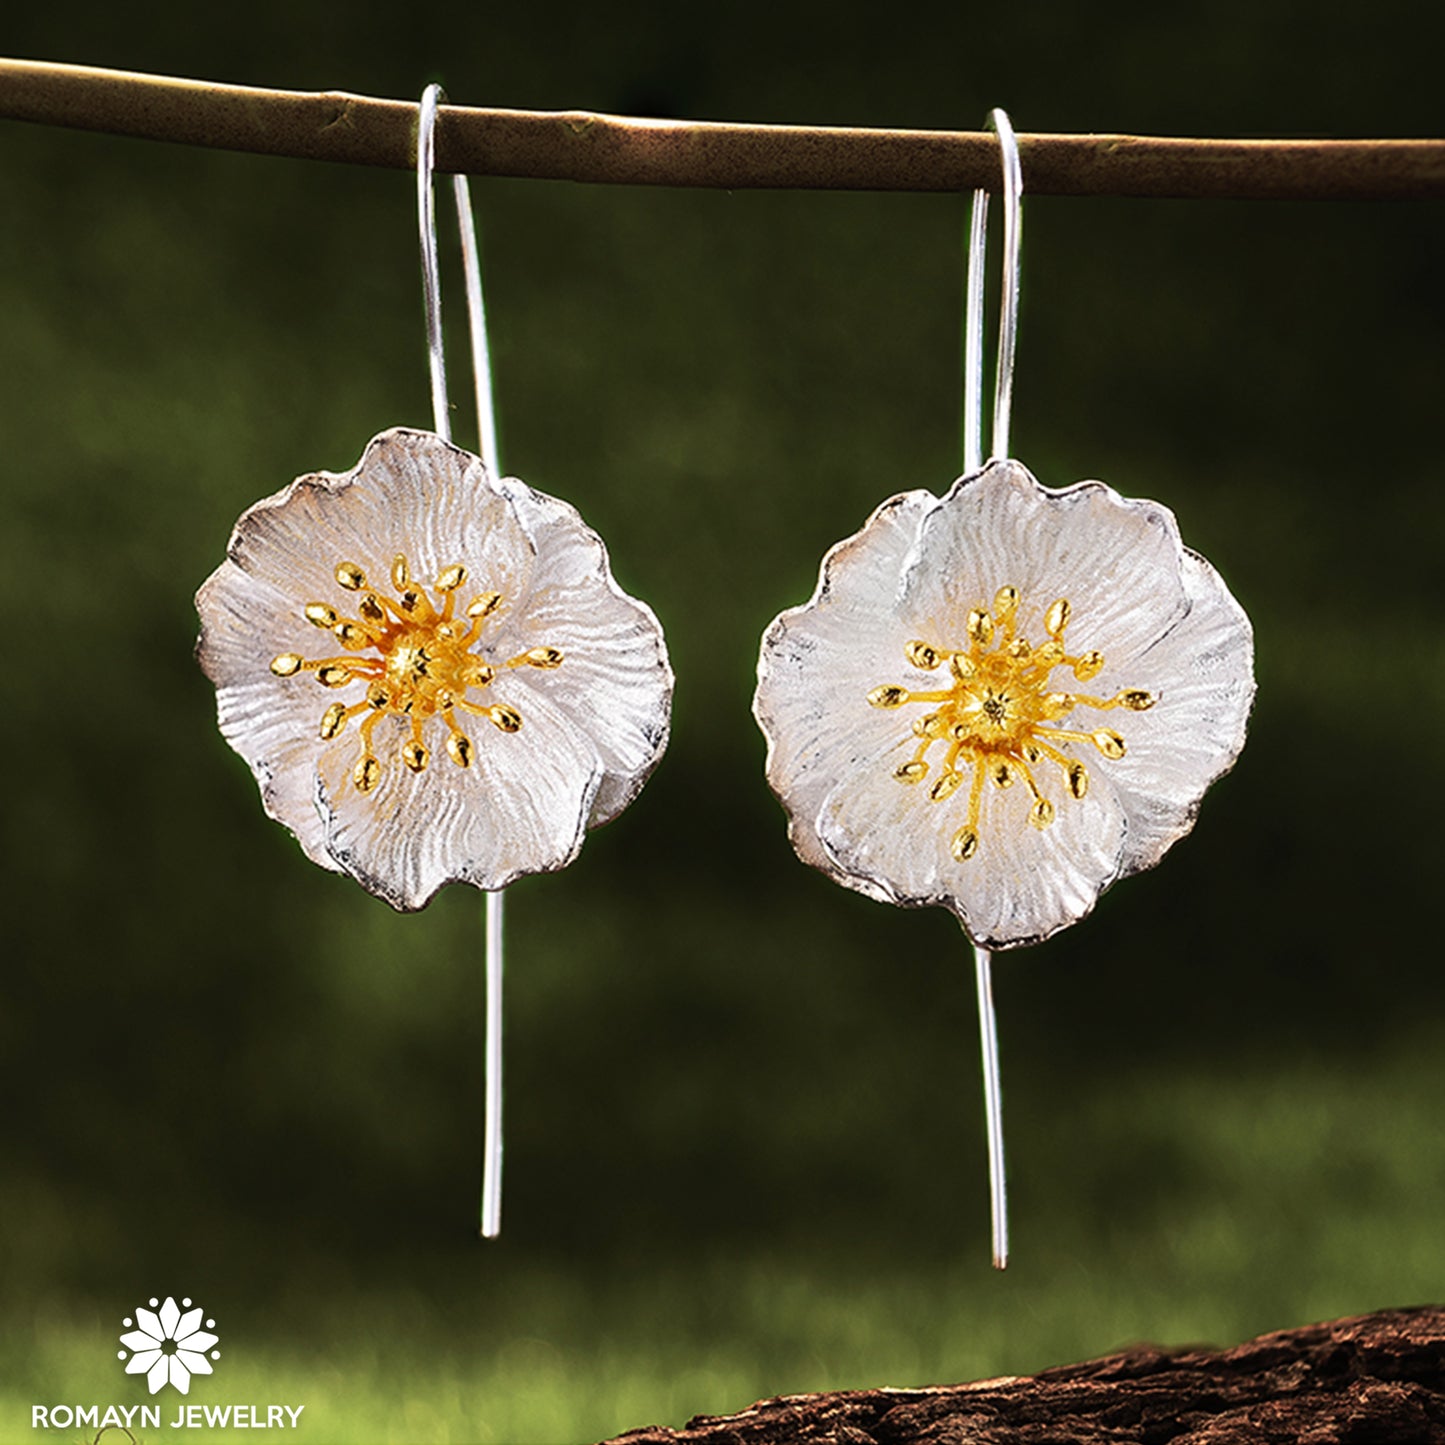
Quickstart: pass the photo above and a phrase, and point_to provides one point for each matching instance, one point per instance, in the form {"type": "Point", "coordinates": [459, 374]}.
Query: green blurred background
{"type": "Point", "coordinates": [744, 1131]}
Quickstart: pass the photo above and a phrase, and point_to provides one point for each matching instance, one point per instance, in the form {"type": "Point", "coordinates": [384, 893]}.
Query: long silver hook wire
{"type": "Point", "coordinates": [1013, 188]}
{"type": "Point", "coordinates": [491, 1204]}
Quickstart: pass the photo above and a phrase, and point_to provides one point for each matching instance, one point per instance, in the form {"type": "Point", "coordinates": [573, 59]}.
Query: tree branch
{"type": "Point", "coordinates": [1377, 1378]}
{"type": "Point", "coordinates": [581, 146]}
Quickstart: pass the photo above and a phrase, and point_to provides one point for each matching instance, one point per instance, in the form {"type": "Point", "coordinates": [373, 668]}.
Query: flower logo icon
{"type": "Point", "coordinates": [168, 1346]}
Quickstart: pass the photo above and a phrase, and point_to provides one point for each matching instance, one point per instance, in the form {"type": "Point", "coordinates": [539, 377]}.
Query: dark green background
{"type": "Point", "coordinates": [744, 1129]}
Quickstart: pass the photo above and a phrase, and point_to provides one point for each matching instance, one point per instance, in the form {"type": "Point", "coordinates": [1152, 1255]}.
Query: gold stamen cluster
{"type": "Point", "coordinates": [998, 712]}
{"type": "Point", "coordinates": [421, 666]}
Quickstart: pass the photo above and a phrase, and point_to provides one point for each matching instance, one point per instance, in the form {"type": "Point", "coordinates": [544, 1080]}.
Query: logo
{"type": "Point", "coordinates": [168, 1346]}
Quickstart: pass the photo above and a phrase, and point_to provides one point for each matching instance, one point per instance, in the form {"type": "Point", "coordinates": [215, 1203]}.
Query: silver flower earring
{"type": "Point", "coordinates": [487, 691]}
{"type": "Point", "coordinates": [1005, 699]}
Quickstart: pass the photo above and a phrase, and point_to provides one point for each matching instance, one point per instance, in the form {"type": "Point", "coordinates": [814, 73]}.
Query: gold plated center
{"type": "Point", "coordinates": [415, 656]}
{"type": "Point", "coordinates": [998, 713]}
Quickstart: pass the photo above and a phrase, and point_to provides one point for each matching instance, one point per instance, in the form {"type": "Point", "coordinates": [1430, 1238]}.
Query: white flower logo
{"type": "Point", "coordinates": [167, 1346]}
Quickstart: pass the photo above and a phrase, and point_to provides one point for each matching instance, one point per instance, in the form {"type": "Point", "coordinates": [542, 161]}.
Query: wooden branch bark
{"type": "Point", "coordinates": [1375, 1380]}
{"type": "Point", "coordinates": [619, 150]}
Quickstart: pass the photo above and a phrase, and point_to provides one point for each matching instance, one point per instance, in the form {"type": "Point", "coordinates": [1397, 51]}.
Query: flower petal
{"type": "Point", "coordinates": [615, 683]}
{"type": "Point", "coordinates": [159, 1374]}
{"type": "Point", "coordinates": [195, 1364]}
{"type": "Point", "coordinates": [196, 1340]}
{"type": "Point", "coordinates": [820, 660]}
{"type": "Point", "coordinates": [1202, 674]}
{"type": "Point", "coordinates": [150, 1322]}
{"type": "Point", "coordinates": [1116, 560]}
{"type": "Point", "coordinates": [187, 1324]}
{"type": "Point", "coordinates": [170, 1316]}
{"type": "Point", "coordinates": [521, 807]}
{"type": "Point", "coordinates": [1023, 884]}
{"type": "Point", "coordinates": [139, 1341]}
{"type": "Point", "coordinates": [140, 1362]}
{"type": "Point", "coordinates": [419, 496]}
{"type": "Point", "coordinates": [180, 1375]}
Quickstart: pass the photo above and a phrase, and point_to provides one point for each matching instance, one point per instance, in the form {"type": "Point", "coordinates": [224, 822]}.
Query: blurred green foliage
{"type": "Point", "coordinates": [744, 1137]}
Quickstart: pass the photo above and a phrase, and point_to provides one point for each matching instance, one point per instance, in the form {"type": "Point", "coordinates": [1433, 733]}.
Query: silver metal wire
{"type": "Point", "coordinates": [1008, 321]}
{"type": "Point", "coordinates": [491, 1203]}
{"type": "Point", "coordinates": [1013, 189]}
{"type": "Point", "coordinates": [992, 1104]}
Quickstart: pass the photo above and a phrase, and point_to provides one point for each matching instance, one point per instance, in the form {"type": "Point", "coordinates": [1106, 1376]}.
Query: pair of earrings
{"type": "Point", "coordinates": [496, 694]}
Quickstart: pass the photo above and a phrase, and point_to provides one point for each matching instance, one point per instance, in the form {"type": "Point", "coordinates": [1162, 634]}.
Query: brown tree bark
{"type": "Point", "coordinates": [1375, 1380]}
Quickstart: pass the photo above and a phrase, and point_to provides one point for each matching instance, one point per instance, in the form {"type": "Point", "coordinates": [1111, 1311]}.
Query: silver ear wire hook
{"type": "Point", "coordinates": [1013, 190]}
{"type": "Point", "coordinates": [432, 96]}
{"type": "Point", "coordinates": [491, 1206]}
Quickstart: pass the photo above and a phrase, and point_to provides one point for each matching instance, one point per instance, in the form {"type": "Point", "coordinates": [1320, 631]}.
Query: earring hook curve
{"type": "Point", "coordinates": [1013, 189]}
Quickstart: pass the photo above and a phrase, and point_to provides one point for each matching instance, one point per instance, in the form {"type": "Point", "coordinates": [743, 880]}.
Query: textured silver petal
{"type": "Point", "coordinates": [521, 807]}
{"type": "Point", "coordinates": [615, 683]}
{"type": "Point", "coordinates": [1023, 885]}
{"type": "Point", "coordinates": [1202, 672]}
{"type": "Point", "coordinates": [271, 721]}
{"type": "Point", "coordinates": [1115, 558]}
{"type": "Point", "coordinates": [817, 665]}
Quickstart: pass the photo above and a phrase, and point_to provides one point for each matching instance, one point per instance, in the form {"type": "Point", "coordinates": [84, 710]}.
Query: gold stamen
{"type": "Point", "coordinates": [945, 787]}
{"type": "Point", "coordinates": [979, 627]}
{"type": "Point", "coordinates": [1109, 743]}
{"type": "Point", "coordinates": [998, 717]}
{"type": "Point", "coordinates": [888, 696]}
{"type": "Point", "coordinates": [414, 659]}
{"type": "Point", "coordinates": [333, 720]}
{"type": "Point", "coordinates": [349, 635]}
